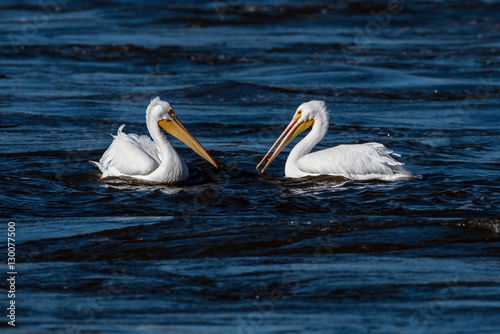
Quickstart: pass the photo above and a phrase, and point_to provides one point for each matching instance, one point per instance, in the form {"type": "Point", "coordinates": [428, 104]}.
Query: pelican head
{"type": "Point", "coordinates": [161, 113]}
{"type": "Point", "coordinates": [312, 110]}
{"type": "Point", "coordinates": [304, 117]}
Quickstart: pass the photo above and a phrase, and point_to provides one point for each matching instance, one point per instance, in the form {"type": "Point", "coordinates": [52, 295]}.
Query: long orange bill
{"type": "Point", "coordinates": [292, 130]}
{"type": "Point", "coordinates": [294, 120]}
{"type": "Point", "coordinates": [177, 129]}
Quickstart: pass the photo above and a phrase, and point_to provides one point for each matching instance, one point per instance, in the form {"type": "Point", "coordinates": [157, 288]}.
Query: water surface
{"type": "Point", "coordinates": [231, 251]}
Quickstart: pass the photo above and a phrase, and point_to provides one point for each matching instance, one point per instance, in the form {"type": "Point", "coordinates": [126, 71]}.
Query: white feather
{"type": "Point", "coordinates": [356, 162]}
{"type": "Point", "coordinates": [143, 157]}
{"type": "Point", "coordinates": [129, 155]}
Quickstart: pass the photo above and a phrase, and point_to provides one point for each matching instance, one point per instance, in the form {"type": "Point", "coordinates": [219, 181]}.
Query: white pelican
{"type": "Point", "coordinates": [154, 160]}
{"type": "Point", "coordinates": [356, 162]}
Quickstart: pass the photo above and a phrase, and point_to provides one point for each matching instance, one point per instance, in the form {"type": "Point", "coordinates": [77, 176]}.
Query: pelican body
{"type": "Point", "coordinates": [152, 159]}
{"type": "Point", "coordinates": [355, 162]}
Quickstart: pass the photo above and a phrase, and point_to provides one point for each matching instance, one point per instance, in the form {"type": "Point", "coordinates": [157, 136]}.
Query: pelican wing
{"type": "Point", "coordinates": [129, 154]}
{"type": "Point", "coordinates": [145, 143]}
{"type": "Point", "coordinates": [357, 162]}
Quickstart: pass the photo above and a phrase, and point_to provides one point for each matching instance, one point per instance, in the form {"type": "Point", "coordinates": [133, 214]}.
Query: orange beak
{"type": "Point", "coordinates": [293, 129]}
{"type": "Point", "coordinates": [177, 129]}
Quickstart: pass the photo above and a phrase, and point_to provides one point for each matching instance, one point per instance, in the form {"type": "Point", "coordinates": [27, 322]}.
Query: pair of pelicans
{"type": "Point", "coordinates": [154, 159]}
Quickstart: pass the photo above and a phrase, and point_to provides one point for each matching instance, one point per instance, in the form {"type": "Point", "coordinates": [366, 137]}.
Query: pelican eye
{"type": "Point", "coordinates": [299, 114]}
{"type": "Point", "coordinates": [171, 112]}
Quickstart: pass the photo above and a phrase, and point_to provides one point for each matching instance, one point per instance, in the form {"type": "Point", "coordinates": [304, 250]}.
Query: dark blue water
{"type": "Point", "coordinates": [230, 251]}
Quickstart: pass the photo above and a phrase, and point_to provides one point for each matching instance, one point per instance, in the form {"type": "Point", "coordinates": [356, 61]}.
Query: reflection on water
{"type": "Point", "coordinates": [135, 187]}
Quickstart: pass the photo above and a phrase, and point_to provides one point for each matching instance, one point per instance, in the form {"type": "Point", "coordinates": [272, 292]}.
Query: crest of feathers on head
{"type": "Point", "coordinates": [318, 105]}
{"type": "Point", "coordinates": [154, 102]}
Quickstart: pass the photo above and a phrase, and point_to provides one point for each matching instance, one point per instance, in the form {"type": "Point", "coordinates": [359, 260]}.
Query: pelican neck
{"type": "Point", "coordinates": [305, 146]}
